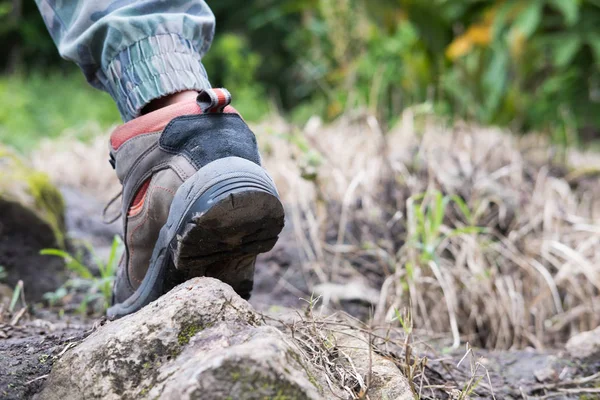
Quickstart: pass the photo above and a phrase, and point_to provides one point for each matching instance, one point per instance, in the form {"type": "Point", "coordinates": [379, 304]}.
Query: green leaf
{"type": "Point", "coordinates": [568, 8]}
{"type": "Point", "coordinates": [439, 210]}
{"type": "Point", "coordinates": [72, 263]}
{"type": "Point", "coordinates": [464, 208]}
{"type": "Point", "coordinates": [466, 230]}
{"type": "Point", "coordinates": [569, 46]}
{"type": "Point", "coordinates": [494, 79]}
{"type": "Point", "coordinates": [594, 43]}
{"type": "Point", "coordinates": [501, 18]}
{"type": "Point", "coordinates": [15, 297]}
{"type": "Point", "coordinates": [110, 267]}
{"type": "Point", "coordinates": [529, 19]}
{"type": "Point", "coordinates": [54, 252]}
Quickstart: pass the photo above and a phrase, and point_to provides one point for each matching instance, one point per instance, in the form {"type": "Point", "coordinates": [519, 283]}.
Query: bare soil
{"type": "Point", "coordinates": [29, 350]}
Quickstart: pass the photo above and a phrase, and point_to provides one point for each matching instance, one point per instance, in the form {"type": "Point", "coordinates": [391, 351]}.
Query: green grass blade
{"type": "Point", "coordinates": [464, 208]}
{"type": "Point", "coordinates": [72, 263]}
{"type": "Point", "coordinates": [15, 297]}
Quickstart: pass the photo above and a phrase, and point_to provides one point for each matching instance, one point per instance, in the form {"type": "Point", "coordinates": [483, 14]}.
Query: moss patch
{"type": "Point", "coordinates": [49, 202]}
{"type": "Point", "coordinates": [33, 190]}
{"type": "Point", "coordinates": [243, 382]}
{"type": "Point", "coordinates": [188, 331]}
{"type": "Point", "coordinates": [311, 378]}
{"type": "Point", "coordinates": [138, 374]}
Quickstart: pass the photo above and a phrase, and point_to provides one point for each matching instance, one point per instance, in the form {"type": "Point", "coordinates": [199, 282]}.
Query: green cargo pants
{"type": "Point", "coordinates": [136, 50]}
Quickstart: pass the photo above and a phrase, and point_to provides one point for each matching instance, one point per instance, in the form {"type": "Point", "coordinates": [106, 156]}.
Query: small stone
{"type": "Point", "coordinates": [585, 345]}
{"type": "Point", "coordinates": [387, 381]}
{"type": "Point", "coordinates": [547, 374]}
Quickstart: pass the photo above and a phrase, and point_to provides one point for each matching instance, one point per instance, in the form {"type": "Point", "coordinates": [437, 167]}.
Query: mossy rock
{"type": "Point", "coordinates": [31, 219]}
{"type": "Point", "coordinates": [199, 341]}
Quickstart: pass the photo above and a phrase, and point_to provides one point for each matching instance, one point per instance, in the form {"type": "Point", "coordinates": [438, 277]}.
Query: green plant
{"type": "Point", "coordinates": [426, 213]}
{"type": "Point", "coordinates": [17, 293]}
{"type": "Point", "coordinates": [96, 289]}
{"type": "Point", "coordinates": [523, 64]}
{"type": "Point", "coordinates": [236, 67]}
{"type": "Point", "coordinates": [528, 64]}
{"type": "Point", "coordinates": [3, 273]}
{"type": "Point", "coordinates": [404, 317]}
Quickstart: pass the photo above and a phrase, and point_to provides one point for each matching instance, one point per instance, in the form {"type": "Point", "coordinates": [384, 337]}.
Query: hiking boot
{"type": "Point", "coordinates": [196, 201]}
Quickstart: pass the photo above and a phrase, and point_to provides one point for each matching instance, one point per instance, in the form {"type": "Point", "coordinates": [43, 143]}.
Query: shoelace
{"type": "Point", "coordinates": [108, 205]}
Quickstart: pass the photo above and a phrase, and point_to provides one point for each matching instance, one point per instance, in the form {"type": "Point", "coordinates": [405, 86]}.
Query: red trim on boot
{"type": "Point", "coordinates": [152, 122]}
{"type": "Point", "coordinates": [138, 201]}
{"type": "Point", "coordinates": [157, 120]}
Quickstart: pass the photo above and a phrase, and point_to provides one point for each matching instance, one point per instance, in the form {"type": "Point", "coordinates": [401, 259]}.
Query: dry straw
{"type": "Point", "coordinates": [479, 233]}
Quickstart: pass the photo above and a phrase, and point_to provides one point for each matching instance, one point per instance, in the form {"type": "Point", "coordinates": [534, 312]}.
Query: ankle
{"type": "Point", "coordinates": [168, 100]}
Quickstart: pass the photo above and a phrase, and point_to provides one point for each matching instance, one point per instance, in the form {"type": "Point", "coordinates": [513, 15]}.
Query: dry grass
{"type": "Point", "coordinates": [475, 231]}
{"type": "Point", "coordinates": [360, 361]}
{"type": "Point", "coordinates": [480, 234]}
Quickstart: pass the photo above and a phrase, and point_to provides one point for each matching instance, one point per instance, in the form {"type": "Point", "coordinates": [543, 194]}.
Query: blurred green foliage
{"type": "Point", "coordinates": [46, 105]}
{"type": "Point", "coordinates": [524, 64]}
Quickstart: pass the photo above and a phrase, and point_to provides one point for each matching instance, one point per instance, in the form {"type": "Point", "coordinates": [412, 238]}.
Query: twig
{"type": "Point", "coordinates": [37, 379]}
{"type": "Point", "coordinates": [573, 382]}
{"type": "Point", "coordinates": [580, 390]}
{"type": "Point", "coordinates": [18, 316]}
{"type": "Point", "coordinates": [67, 347]}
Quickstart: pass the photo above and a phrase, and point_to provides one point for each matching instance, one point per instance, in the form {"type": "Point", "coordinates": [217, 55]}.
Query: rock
{"type": "Point", "coordinates": [31, 219]}
{"type": "Point", "coordinates": [546, 374]}
{"type": "Point", "coordinates": [585, 345]}
{"type": "Point", "coordinates": [199, 341]}
{"type": "Point", "coordinates": [351, 291]}
{"type": "Point", "coordinates": [387, 382]}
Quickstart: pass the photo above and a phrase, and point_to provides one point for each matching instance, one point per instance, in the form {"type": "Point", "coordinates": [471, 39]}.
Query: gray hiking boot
{"type": "Point", "coordinates": [196, 201]}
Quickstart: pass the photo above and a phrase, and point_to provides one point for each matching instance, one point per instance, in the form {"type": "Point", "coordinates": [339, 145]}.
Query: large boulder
{"type": "Point", "coordinates": [31, 219]}
{"type": "Point", "coordinates": [199, 341]}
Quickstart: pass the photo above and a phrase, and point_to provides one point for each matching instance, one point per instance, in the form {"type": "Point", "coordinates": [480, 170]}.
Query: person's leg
{"type": "Point", "coordinates": [136, 50]}
{"type": "Point", "coordinates": [196, 200]}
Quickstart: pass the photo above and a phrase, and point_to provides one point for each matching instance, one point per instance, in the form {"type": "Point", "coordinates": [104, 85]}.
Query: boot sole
{"type": "Point", "coordinates": [227, 228]}
{"type": "Point", "coordinates": [219, 221]}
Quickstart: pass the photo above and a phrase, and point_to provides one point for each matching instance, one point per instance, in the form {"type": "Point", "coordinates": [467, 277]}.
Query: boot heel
{"type": "Point", "coordinates": [226, 227]}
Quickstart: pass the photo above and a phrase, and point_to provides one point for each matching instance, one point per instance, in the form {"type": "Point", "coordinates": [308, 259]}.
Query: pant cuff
{"type": "Point", "coordinates": [152, 68]}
